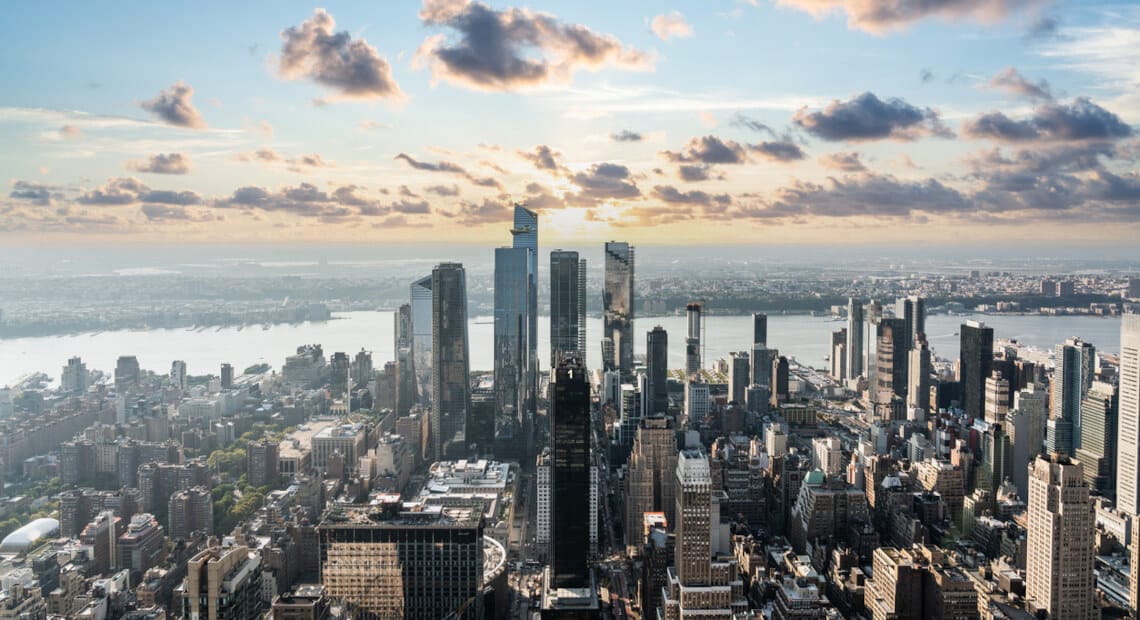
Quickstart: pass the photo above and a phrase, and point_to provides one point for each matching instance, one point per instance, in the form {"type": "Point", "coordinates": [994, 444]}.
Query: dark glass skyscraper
{"type": "Point", "coordinates": [854, 348]}
{"type": "Point", "coordinates": [451, 387]}
{"type": "Point", "coordinates": [570, 475]}
{"type": "Point", "coordinates": [759, 328]}
{"type": "Point", "coordinates": [617, 302]}
{"type": "Point", "coordinates": [912, 310]}
{"type": "Point", "coordinates": [567, 305]}
{"type": "Point", "coordinates": [975, 362]}
{"type": "Point", "coordinates": [512, 326]}
{"type": "Point", "coordinates": [406, 391]}
{"type": "Point", "coordinates": [421, 336]}
{"type": "Point", "coordinates": [892, 358]}
{"type": "Point", "coordinates": [525, 235]}
{"type": "Point", "coordinates": [657, 362]}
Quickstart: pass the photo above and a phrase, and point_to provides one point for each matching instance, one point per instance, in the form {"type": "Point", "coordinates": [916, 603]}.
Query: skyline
{"type": "Point", "coordinates": [873, 122]}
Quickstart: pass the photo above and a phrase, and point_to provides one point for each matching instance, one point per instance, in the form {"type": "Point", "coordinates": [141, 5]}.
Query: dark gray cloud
{"type": "Point", "coordinates": [783, 151]}
{"type": "Point", "coordinates": [926, 76]}
{"type": "Point", "coordinates": [867, 195]}
{"type": "Point", "coordinates": [169, 197]}
{"type": "Point", "coordinates": [304, 162]}
{"type": "Point", "coordinates": [479, 213]}
{"type": "Point", "coordinates": [344, 203]}
{"type": "Point", "coordinates": [1012, 82]}
{"type": "Point", "coordinates": [541, 198]}
{"type": "Point", "coordinates": [866, 117]}
{"type": "Point", "coordinates": [741, 120]}
{"type": "Point", "coordinates": [117, 191]}
{"type": "Point", "coordinates": [1044, 27]}
{"type": "Point", "coordinates": [626, 135]}
{"type": "Point", "coordinates": [411, 207]}
{"type": "Point", "coordinates": [443, 190]}
{"type": "Point", "coordinates": [162, 163]}
{"type": "Point", "coordinates": [709, 150]}
{"type": "Point", "coordinates": [353, 69]}
{"type": "Point", "coordinates": [164, 213]}
{"type": "Point", "coordinates": [543, 158]}
{"type": "Point", "coordinates": [601, 182]}
{"type": "Point", "coordinates": [442, 166]}
{"type": "Point", "coordinates": [845, 161]}
{"type": "Point", "coordinates": [1082, 120]}
{"type": "Point", "coordinates": [36, 193]}
{"type": "Point", "coordinates": [514, 48]}
{"type": "Point", "coordinates": [670, 194]}
{"type": "Point", "coordinates": [173, 106]}
{"type": "Point", "coordinates": [693, 172]}
{"type": "Point", "coordinates": [880, 16]}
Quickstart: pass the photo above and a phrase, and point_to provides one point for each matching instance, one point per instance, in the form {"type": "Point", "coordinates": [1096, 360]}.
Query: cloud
{"type": "Point", "coordinates": [117, 191]}
{"type": "Point", "coordinates": [353, 69]}
{"type": "Point", "coordinates": [881, 16]}
{"type": "Point", "coordinates": [162, 213]}
{"type": "Point", "coordinates": [866, 117]}
{"type": "Point", "coordinates": [305, 162]}
{"type": "Point", "coordinates": [845, 161]}
{"type": "Point", "coordinates": [169, 197]}
{"type": "Point", "coordinates": [263, 154]}
{"type": "Point", "coordinates": [70, 132]}
{"type": "Point", "coordinates": [1012, 82]}
{"type": "Point", "coordinates": [1044, 27]}
{"type": "Point", "coordinates": [601, 182]}
{"type": "Point", "coordinates": [869, 195]}
{"type": "Point", "coordinates": [343, 204]}
{"type": "Point", "coordinates": [626, 135]}
{"type": "Point", "coordinates": [1081, 120]}
{"type": "Point", "coordinates": [671, 26]}
{"type": "Point", "coordinates": [411, 207]}
{"type": "Point", "coordinates": [926, 76]}
{"type": "Point", "coordinates": [443, 190]}
{"type": "Point", "coordinates": [670, 194]}
{"type": "Point", "coordinates": [442, 166]}
{"type": "Point", "coordinates": [709, 150]}
{"type": "Point", "coordinates": [741, 120]}
{"type": "Point", "coordinates": [479, 213]}
{"type": "Point", "coordinates": [173, 106]}
{"type": "Point", "coordinates": [543, 158]}
{"type": "Point", "coordinates": [693, 173]}
{"type": "Point", "coordinates": [371, 125]}
{"type": "Point", "coordinates": [172, 163]}
{"type": "Point", "coordinates": [35, 193]}
{"type": "Point", "coordinates": [514, 49]}
{"type": "Point", "coordinates": [782, 151]}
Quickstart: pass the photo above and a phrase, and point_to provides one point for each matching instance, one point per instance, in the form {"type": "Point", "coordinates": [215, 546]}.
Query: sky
{"type": "Point", "coordinates": [956, 122]}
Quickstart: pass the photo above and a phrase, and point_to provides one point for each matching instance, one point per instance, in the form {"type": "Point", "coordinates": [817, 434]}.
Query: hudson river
{"type": "Point", "coordinates": [803, 337]}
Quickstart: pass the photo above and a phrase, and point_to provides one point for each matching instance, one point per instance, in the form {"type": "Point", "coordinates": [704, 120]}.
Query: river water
{"type": "Point", "coordinates": [803, 337]}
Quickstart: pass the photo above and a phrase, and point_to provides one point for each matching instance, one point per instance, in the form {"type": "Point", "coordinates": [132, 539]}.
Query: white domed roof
{"type": "Point", "coordinates": [26, 536]}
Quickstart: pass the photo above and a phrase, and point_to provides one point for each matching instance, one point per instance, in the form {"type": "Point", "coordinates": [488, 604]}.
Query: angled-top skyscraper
{"type": "Point", "coordinates": [451, 388]}
{"type": "Point", "coordinates": [617, 302]}
{"type": "Point", "coordinates": [515, 307]}
{"type": "Point", "coordinates": [567, 305]}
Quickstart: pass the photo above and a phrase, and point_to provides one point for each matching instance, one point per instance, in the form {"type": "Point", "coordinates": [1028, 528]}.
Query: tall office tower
{"type": "Point", "coordinates": [657, 362]}
{"type": "Point", "coordinates": [854, 349]}
{"type": "Point", "coordinates": [976, 358]}
{"type": "Point", "coordinates": [697, 402]}
{"type": "Point", "coordinates": [701, 582]}
{"type": "Point", "coordinates": [759, 328]}
{"type": "Point", "coordinates": [544, 464]}
{"type": "Point", "coordinates": [361, 373]}
{"type": "Point", "coordinates": [1097, 453]}
{"type": "Point", "coordinates": [178, 375]}
{"type": "Point", "coordinates": [412, 561]}
{"type": "Point", "coordinates": [338, 374]}
{"type": "Point", "coordinates": [918, 376]}
{"type": "Point", "coordinates": [223, 583]}
{"type": "Point", "coordinates": [781, 375]}
{"type": "Point", "coordinates": [997, 459]}
{"type": "Point", "coordinates": [190, 510]}
{"type": "Point", "coordinates": [892, 359]}
{"type": "Point", "coordinates": [617, 302]}
{"type": "Point", "coordinates": [1033, 402]}
{"type": "Point", "coordinates": [405, 364]}
{"type": "Point", "coordinates": [1075, 362]}
{"type": "Point", "coordinates": [525, 235]}
{"type": "Point", "coordinates": [838, 354]}
{"type": "Point", "coordinates": [609, 356]}
{"type": "Point", "coordinates": [74, 379]}
{"type": "Point", "coordinates": [649, 484]}
{"type": "Point", "coordinates": [739, 376]}
{"type": "Point", "coordinates": [997, 398]}
{"type": "Point", "coordinates": [451, 387]}
{"type": "Point", "coordinates": [227, 377]}
{"type": "Point", "coordinates": [873, 315]}
{"type": "Point", "coordinates": [693, 340]}
{"type": "Point", "coordinates": [512, 327]}
{"type": "Point", "coordinates": [127, 374]}
{"type": "Point", "coordinates": [1128, 458]}
{"type": "Point", "coordinates": [1059, 574]}
{"type": "Point", "coordinates": [762, 358]}
{"type": "Point", "coordinates": [421, 296]}
{"type": "Point", "coordinates": [570, 475]}
{"type": "Point", "coordinates": [912, 310]}
{"type": "Point", "coordinates": [567, 305]}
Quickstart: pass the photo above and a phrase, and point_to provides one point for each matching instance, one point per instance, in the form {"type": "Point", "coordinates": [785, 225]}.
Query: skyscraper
{"type": "Point", "coordinates": [997, 398]}
{"type": "Point", "coordinates": [759, 328]}
{"type": "Point", "coordinates": [892, 359]}
{"type": "Point", "coordinates": [912, 310]}
{"type": "Point", "coordinates": [1072, 376]}
{"type": "Point", "coordinates": [1128, 459]}
{"type": "Point", "coordinates": [74, 378]}
{"type": "Point", "coordinates": [739, 376]}
{"type": "Point", "coordinates": [570, 475]}
{"type": "Point", "coordinates": [516, 315]}
{"type": "Point", "coordinates": [976, 358]}
{"type": "Point", "coordinates": [854, 338]}
{"type": "Point", "coordinates": [1059, 575]}
{"type": "Point", "coordinates": [1098, 437]}
{"type": "Point", "coordinates": [649, 486]}
{"type": "Point", "coordinates": [693, 340]}
{"type": "Point", "coordinates": [451, 387]}
{"type": "Point", "coordinates": [421, 336]}
{"type": "Point", "coordinates": [617, 303]}
{"type": "Point", "coordinates": [838, 353]}
{"type": "Point", "coordinates": [567, 305]}
{"type": "Point", "coordinates": [918, 376]}
{"type": "Point", "coordinates": [657, 362]}
{"type": "Point", "coordinates": [178, 375]}
{"type": "Point", "coordinates": [405, 365]}
{"type": "Point", "coordinates": [127, 374]}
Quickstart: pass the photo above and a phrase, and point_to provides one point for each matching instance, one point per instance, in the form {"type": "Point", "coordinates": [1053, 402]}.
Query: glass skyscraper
{"type": "Point", "coordinates": [617, 303]}
{"type": "Point", "coordinates": [567, 305]}
{"type": "Point", "coordinates": [421, 336]}
{"type": "Point", "coordinates": [451, 388]}
{"type": "Point", "coordinates": [570, 475]}
{"type": "Point", "coordinates": [976, 363]}
{"type": "Point", "coordinates": [516, 316]}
